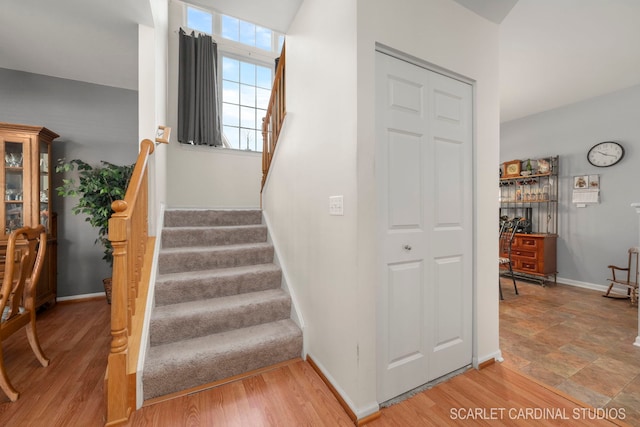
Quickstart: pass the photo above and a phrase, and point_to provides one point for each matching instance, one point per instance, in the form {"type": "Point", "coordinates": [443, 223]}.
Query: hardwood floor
{"type": "Point", "coordinates": [75, 336]}
{"type": "Point", "coordinates": [69, 392]}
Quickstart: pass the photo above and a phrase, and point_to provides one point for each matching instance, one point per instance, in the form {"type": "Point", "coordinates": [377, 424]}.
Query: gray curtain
{"type": "Point", "coordinates": [198, 112]}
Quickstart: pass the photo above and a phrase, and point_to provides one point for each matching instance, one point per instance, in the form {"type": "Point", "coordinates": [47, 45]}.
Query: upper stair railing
{"type": "Point", "coordinates": [272, 122]}
{"type": "Point", "coordinates": [132, 255]}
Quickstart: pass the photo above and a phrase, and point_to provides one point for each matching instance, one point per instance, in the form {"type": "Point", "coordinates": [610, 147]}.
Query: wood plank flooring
{"type": "Point", "coordinates": [70, 391]}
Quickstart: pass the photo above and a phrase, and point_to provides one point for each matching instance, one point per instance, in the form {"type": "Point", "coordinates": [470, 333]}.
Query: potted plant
{"type": "Point", "coordinates": [96, 188]}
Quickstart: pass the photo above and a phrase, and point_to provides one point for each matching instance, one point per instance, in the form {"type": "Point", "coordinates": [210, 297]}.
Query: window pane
{"type": "Point", "coordinates": [230, 69]}
{"type": "Point", "coordinates": [230, 92]}
{"type": "Point", "coordinates": [260, 115]}
{"type": "Point", "coordinates": [230, 114]}
{"type": "Point", "coordinates": [248, 73]}
{"type": "Point", "coordinates": [257, 141]}
{"type": "Point", "coordinates": [246, 91]}
{"type": "Point", "coordinates": [230, 28]}
{"type": "Point", "coordinates": [248, 95]}
{"type": "Point", "coordinates": [247, 117]}
{"type": "Point", "coordinates": [262, 98]}
{"type": "Point", "coordinates": [199, 20]}
{"type": "Point", "coordinates": [247, 33]}
{"type": "Point", "coordinates": [248, 139]}
{"type": "Point", "coordinates": [280, 42]}
{"type": "Point", "coordinates": [264, 79]}
{"type": "Point", "coordinates": [233, 136]}
{"type": "Point", "coordinates": [263, 38]}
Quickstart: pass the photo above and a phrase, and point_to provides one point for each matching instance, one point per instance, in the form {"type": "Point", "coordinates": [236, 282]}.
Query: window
{"type": "Point", "coordinates": [235, 30]}
{"type": "Point", "coordinates": [199, 20]}
{"type": "Point", "coordinates": [247, 33]}
{"type": "Point", "coordinates": [246, 54]}
{"type": "Point", "coordinates": [246, 88]}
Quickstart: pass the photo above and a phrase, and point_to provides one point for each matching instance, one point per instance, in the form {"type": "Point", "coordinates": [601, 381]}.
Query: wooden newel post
{"type": "Point", "coordinates": [118, 408]}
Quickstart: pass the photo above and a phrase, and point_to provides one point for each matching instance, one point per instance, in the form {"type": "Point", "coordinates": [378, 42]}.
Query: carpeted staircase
{"type": "Point", "coordinates": [219, 307]}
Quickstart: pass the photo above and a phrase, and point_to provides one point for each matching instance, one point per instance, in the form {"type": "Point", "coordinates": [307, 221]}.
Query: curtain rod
{"type": "Point", "coordinates": [190, 31]}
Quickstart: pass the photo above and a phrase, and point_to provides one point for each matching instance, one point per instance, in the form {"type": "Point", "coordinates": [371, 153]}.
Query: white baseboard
{"type": "Point", "coordinates": [296, 312]}
{"type": "Point", "coordinates": [361, 412]}
{"type": "Point", "coordinates": [587, 285]}
{"type": "Point", "coordinates": [144, 338]}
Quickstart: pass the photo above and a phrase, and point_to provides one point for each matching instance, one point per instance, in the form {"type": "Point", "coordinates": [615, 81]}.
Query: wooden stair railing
{"type": "Point", "coordinates": [272, 122]}
{"type": "Point", "coordinates": [132, 255]}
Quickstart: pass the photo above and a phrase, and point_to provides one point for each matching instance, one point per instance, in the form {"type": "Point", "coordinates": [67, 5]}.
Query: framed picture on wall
{"type": "Point", "coordinates": [512, 169]}
{"type": "Point", "coordinates": [580, 181]}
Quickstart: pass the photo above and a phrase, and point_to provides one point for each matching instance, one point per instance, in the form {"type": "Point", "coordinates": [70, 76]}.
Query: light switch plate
{"type": "Point", "coordinates": [336, 205]}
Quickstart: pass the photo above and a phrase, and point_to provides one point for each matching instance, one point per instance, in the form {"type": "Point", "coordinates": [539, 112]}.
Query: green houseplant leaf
{"type": "Point", "coordinates": [96, 188]}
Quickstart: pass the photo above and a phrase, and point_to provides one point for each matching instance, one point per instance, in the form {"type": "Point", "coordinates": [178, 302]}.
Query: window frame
{"type": "Point", "coordinates": [240, 51]}
{"type": "Point", "coordinates": [254, 61]}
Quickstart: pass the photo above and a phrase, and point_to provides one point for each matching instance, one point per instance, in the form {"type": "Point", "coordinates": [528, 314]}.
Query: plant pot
{"type": "Point", "coordinates": [108, 285]}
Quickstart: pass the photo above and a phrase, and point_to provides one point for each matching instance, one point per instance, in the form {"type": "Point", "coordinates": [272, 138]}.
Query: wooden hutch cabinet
{"type": "Point", "coordinates": [25, 188]}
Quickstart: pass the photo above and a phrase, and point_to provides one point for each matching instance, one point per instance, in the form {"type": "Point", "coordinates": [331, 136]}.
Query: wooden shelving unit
{"type": "Point", "coordinates": [533, 197]}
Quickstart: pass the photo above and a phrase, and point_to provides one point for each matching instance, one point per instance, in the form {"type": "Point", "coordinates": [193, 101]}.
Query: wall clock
{"type": "Point", "coordinates": [605, 154]}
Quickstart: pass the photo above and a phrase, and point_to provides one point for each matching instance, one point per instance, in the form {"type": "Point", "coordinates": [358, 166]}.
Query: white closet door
{"type": "Point", "coordinates": [423, 168]}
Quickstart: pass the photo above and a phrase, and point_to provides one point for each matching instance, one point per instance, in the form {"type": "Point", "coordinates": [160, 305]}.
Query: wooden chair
{"type": "Point", "coordinates": [507, 234]}
{"type": "Point", "coordinates": [629, 281]}
{"type": "Point", "coordinates": [23, 264]}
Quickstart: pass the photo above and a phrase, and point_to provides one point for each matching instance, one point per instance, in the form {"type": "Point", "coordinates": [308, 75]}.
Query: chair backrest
{"type": "Point", "coordinates": [23, 264]}
{"type": "Point", "coordinates": [634, 268]}
{"type": "Point", "coordinates": [508, 230]}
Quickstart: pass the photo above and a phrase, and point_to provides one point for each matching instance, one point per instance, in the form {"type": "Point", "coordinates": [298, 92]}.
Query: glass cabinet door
{"type": "Point", "coordinates": [14, 211]}
{"type": "Point", "coordinates": [45, 191]}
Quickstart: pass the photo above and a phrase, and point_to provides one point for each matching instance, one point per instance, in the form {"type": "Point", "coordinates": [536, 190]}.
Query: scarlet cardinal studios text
{"type": "Point", "coordinates": [537, 413]}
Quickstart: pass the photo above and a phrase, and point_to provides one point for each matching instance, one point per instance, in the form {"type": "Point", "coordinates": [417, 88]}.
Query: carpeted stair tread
{"type": "Point", "coordinates": [174, 260]}
{"type": "Point", "coordinates": [193, 319]}
{"type": "Point", "coordinates": [175, 288]}
{"type": "Point", "coordinates": [174, 237]}
{"type": "Point", "coordinates": [219, 309]}
{"type": "Point", "coordinates": [210, 217]}
{"type": "Point", "coordinates": [190, 363]}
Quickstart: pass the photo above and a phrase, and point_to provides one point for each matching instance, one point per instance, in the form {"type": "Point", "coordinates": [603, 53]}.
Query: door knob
{"type": "Point", "coordinates": [407, 247]}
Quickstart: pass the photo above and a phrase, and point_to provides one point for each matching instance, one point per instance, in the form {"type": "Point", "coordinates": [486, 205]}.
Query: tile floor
{"type": "Point", "coordinates": [574, 340]}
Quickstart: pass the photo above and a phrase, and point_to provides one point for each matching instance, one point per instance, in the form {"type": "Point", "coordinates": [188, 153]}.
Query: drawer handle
{"type": "Point", "coordinates": [407, 247]}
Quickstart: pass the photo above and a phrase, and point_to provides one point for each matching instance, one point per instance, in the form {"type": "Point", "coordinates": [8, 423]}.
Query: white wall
{"type": "Point", "coordinates": [158, 165]}
{"type": "Point", "coordinates": [316, 159]}
{"type": "Point", "coordinates": [328, 149]}
{"type": "Point", "coordinates": [596, 236]}
{"type": "Point", "coordinates": [152, 99]}
{"type": "Point", "coordinates": [202, 176]}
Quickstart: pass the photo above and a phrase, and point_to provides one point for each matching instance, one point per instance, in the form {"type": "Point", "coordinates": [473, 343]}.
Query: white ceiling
{"type": "Point", "coordinates": [88, 40]}
{"type": "Point", "coordinates": [556, 52]}
{"type": "Point", "coordinates": [553, 52]}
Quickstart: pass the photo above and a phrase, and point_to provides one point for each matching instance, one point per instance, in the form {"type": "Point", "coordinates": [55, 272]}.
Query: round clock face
{"type": "Point", "coordinates": [605, 154]}
{"type": "Point", "coordinates": [512, 169]}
